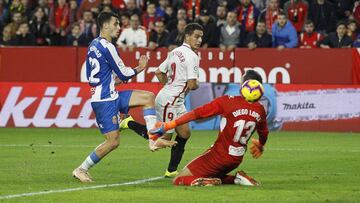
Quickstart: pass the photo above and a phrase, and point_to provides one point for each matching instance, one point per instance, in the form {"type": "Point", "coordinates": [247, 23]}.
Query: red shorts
{"type": "Point", "coordinates": [213, 164]}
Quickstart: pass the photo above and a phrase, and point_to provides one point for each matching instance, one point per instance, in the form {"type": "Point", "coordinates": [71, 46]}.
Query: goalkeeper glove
{"type": "Point", "coordinates": [256, 149]}
{"type": "Point", "coordinates": [161, 128]}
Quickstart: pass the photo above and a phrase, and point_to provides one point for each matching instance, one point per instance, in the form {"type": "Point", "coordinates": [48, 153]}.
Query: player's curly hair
{"type": "Point", "coordinates": [252, 75]}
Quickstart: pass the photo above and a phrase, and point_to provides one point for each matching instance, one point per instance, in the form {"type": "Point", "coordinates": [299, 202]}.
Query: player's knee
{"type": "Point", "coordinates": [149, 98]}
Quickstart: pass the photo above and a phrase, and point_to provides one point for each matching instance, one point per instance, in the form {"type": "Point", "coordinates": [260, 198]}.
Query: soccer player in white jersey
{"type": "Point", "coordinates": [179, 73]}
{"type": "Point", "coordinates": [104, 69]}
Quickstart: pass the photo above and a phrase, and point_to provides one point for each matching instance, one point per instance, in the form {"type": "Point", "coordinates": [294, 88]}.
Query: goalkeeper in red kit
{"type": "Point", "coordinates": [240, 118]}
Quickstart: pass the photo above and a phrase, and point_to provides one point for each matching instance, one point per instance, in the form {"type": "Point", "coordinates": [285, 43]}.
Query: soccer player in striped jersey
{"type": "Point", "coordinates": [104, 69]}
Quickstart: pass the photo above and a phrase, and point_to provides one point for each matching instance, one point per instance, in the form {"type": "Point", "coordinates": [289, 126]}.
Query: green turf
{"type": "Point", "coordinates": [296, 167]}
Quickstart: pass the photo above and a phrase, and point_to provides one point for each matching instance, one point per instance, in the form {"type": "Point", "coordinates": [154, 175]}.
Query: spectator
{"type": "Point", "coordinates": [269, 14]}
{"type": "Point", "coordinates": [118, 4]}
{"type": "Point", "coordinates": [107, 6]}
{"type": "Point", "coordinates": [323, 14]}
{"type": "Point", "coordinates": [158, 37]}
{"type": "Point", "coordinates": [44, 4]}
{"type": "Point", "coordinates": [16, 6]}
{"type": "Point", "coordinates": [87, 27]}
{"type": "Point", "coordinates": [220, 15]}
{"type": "Point", "coordinates": [160, 10]}
{"type": "Point", "coordinates": [131, 8]}
{"type": "Point", "coordinates": [169, 14]}
{"type": "Point", "coordinates": [230, 4]}
{"type": "Point", "coordinates": [230, 33]}
{"type": "Point", "coordinates": [309, 38]}
{"type": "Point", "coordinates": [338, 39]}
{"type": "Point", "coordinates": [352, 29]}
{"type": "Point", "coordinates": [85, 5]}
{"type": "Point", "coordinates": [73, 13]}
{"type": "Point", "coordinates": [177, 4]}
{"type": "Point", "coordinates": [6, 39]}
{"type": "Point", "coordinates": [212, 6]}
{"type": "Point", "coordinates": [4, 12]}
{"type": "Point", "coordinates": [345, 8]}
{"type": "Point", "coordinates": [283, 33]}
{"type": "Point", "coordinates": [260, 38]}
{"type": "Point", "coordinates": [260, 4]}
{"type": "Point", "coordinates": [247, 16]}
{"type": "Point", "coordinates": [134, 36]}
{"type": "Point", "coordinates": [27, 9]}
{"type": "Point", "coordinates": [16, 19]}
{"type": "Point", "coordinates": [296, 12]}
{"type": "Point", "coordinates": [149, 17]}
{"type": "Point", "coordinates": [124, 21]}
{"type": "Point", "coordinates": [74, 37]}
{"type": "Point", "coordinates": [39, 26]}
{"type": "Point", "coordinates": [181, 15]}
{"type": "Point", "coordinates": [211, 36]}
{"type": "Point", "coordinates": [59, 21]}
{"type": "Point", "coordinates": [356, 12]}
{"type": "Point", "coordinates": [176, 36]}
{"type": "Point", "coordinates": [23, 36]}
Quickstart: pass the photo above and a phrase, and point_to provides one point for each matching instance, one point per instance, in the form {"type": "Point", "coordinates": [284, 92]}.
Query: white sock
{"type": "Point", "coordinates": [90, 161]}
{"type": "Point", "coordinates": [150, 121]}
{"type": "Point", "coordinates": [87, 164]}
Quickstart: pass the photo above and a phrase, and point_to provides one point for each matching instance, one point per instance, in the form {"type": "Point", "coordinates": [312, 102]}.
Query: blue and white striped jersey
{"type": "Point", "coordinates": [103, 64]}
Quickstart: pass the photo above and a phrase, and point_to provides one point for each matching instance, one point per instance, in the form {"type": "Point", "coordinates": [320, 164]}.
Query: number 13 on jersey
{"type": "Point", "coordinates": [240, 126]}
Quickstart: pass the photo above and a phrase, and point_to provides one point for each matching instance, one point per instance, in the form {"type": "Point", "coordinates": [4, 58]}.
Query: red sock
{"type": "Point", "coordinates": [185, 180]}
{"type": "Point", "coordinates": [228, 179]}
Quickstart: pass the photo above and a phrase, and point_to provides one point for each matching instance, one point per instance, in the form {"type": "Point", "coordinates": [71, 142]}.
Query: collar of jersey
{"type": "Point", "coordinates": [188, 46]}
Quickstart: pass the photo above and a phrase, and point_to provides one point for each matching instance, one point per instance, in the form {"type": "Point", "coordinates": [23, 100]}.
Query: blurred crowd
{"type": "Point", "coordinates": [160, 23]}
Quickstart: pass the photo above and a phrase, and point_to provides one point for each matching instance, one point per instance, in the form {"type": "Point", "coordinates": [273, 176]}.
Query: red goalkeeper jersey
{"type": "Point", "coordinates": [239, 120]}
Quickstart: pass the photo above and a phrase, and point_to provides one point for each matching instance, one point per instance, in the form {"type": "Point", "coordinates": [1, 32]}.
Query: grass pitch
{"type": "Point", "coordinates": [295, 167]}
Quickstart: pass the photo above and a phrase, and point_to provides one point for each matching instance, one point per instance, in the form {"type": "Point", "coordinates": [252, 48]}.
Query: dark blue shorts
{"type": "Point", "coordinates": [107, 112]}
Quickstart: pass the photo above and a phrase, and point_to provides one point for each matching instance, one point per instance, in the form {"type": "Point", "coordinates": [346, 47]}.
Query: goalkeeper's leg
{"type": "Point", "coordinates": [240, 178]}
{"type": "Point", "coordinates": [186, 178]}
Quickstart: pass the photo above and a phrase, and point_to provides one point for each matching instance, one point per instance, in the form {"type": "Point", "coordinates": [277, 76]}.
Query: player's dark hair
{"type": "Point", "coordinates": [191, 27]}
{"type": "Point", "coordinates": [252, 75]}
{"type": "Point", "coordinates": [105, 17]}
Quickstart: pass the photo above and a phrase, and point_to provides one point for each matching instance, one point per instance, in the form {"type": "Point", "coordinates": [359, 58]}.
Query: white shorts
{"type": "Point", "coordinates": [166, 112]}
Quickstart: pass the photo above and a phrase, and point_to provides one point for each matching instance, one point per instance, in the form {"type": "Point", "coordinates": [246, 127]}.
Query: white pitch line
{"type": "Point", "coordinates": [80, 188]}
{"type": "Point", "coordinates": [189, 148]}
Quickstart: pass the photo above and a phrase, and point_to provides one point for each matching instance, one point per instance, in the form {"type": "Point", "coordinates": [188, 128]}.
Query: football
{"type": "Point", "coordinates": [252, 90]}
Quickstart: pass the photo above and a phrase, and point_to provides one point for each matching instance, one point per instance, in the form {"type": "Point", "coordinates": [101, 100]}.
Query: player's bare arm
{"type": "Point", "coordinates": [161, 76]}
{"type": "Point", "coordinates": [193, 84]}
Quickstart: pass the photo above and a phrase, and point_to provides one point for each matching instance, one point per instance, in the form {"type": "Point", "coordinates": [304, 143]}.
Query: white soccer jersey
{"type": "Point", "coordinates": [181, 65]}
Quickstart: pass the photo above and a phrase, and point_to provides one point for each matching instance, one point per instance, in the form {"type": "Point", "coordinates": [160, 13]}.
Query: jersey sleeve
{"type": "Point", "coordinates": [117, 65]}
{"type": "Point", "coordinates": [262, 128]}
{"type": "Point", "coordinates": [164, 65]}
{"type": "Point", "coordinates": [210, 109]}
{"type": "Point", "coordinates": [193, 68]}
